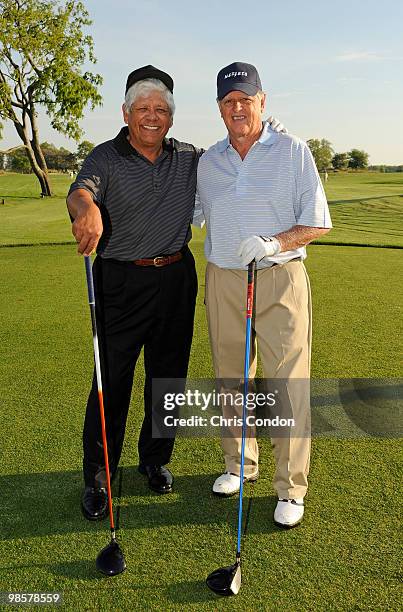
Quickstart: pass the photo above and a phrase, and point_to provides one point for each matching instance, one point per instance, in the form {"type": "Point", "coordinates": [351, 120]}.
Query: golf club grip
{"type": "Point", "coordinates": [249, 302]}
{"type": "Point", "coordinates": [251, 271]}
{"type": "Point", "coordinates": [90, 280]}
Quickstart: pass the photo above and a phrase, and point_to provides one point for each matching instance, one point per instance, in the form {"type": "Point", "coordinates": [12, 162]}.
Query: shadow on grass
{"type": "Point", "coordinates": [192, 591]}
{"type": "Point", "coordinates": [35, 505]}
{"type": "Point", "coordinates": [358, 199]}
{"type": "Point", "coordinates": [9, 196]}
{"type": "Point", "coordinates": [77, 569]}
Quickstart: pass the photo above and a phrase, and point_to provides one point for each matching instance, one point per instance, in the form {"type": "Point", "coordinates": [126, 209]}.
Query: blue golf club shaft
{"type": "Point", "coordinates": [249, 309]}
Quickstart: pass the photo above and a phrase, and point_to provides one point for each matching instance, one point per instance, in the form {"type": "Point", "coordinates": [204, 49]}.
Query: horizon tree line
{"type": "Point", "coordinates": [59, 160]}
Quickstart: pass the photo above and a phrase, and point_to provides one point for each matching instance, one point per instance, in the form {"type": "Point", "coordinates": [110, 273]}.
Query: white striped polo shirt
{"type": "Point", "coordinates": [275, 187]}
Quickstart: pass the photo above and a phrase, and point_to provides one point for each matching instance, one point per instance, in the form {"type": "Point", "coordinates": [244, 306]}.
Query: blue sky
{"type": "Point", "coordinates": [331, 69]}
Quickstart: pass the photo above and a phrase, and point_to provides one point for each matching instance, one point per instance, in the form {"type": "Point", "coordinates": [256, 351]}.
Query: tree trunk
{"type": "Point", "coordinates": [43, 179]}
{"type": "Point", "coordinates": [39, 156]}
{"type": "Point", "coordinates": [41, 174]}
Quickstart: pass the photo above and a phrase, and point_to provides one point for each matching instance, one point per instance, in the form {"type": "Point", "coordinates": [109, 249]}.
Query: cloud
{"type": "Point", "coordinates": [287, 94]}
{"type": "Point", "coordinates": [358, 56]}
{"type": "Point", "coordinates": [351, 79]}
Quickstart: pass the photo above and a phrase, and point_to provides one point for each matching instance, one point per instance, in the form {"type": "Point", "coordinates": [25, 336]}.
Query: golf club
{"type": "Point", "coordinates": [227, 580]}
{"type": "Point", "coordinates": [110, 560]}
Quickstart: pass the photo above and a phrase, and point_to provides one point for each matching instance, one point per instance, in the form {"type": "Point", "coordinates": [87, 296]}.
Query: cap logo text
{"type": "Point", "coordinates": [233, 74]}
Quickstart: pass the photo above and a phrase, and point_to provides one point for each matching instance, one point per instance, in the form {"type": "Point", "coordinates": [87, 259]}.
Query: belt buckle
{"type": "Point", "coordinates": [158, 261]}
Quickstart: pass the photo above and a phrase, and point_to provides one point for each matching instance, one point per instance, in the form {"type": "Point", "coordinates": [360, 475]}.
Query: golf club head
{"type": "Point", "coordinates": [225, 580]}
{"type": "Point", "coordinates": [110, 560]}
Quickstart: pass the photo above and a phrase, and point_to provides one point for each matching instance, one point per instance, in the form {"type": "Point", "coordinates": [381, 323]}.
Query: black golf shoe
{"type": "Point", "coordinates": [94, 503]}
{"type": "Point", "coordinates": [159, 477]}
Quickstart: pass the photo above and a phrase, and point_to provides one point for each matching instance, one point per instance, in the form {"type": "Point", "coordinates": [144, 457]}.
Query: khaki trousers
{"type": "Point", "coordinates": [281, 329]}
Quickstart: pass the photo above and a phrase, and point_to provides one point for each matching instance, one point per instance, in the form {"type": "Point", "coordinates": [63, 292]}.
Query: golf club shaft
{"type": "Point", "coordinates": [249, 310]}
{"type": "Point", "coordinates": [91, 301]}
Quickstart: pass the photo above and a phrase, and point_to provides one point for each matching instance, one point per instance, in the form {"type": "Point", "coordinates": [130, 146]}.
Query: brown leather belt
{"type": "Point", "coordinates": [159, 262]}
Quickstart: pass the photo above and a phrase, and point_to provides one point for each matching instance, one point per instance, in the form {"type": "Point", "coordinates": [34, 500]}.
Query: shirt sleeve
{"type": "Point", "coordinates": [93, 176]}
{"type": "Point", "coordinates": [198, 215]}
{"type": "Point", "coordinates": [312, 209]}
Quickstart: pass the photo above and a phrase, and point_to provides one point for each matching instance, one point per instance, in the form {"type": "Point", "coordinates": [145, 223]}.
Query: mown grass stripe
{"type": "Point", "coordinates": [318, 242]}
{"type": "Point", "coordinates": [35, 244]}
{"type": "Point", "coordinates": [354, 200]}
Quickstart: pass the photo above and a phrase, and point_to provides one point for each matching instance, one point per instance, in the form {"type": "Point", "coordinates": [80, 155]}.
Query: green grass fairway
{"type": "Point", "coordinates": [366, 208]}
{"type": "Point", "coordinates": [25, 217]}
{"type": "Point", "coordinates": [356, 185]}
{"type": "Point", "coordinates": [343, 556]}
{"type": "Point", "coordinates": [370, 222]}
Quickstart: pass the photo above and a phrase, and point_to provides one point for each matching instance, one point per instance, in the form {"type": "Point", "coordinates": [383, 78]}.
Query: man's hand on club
{"type": "Point", "coordinates": [258, 247]}
{"type": "Point", "coordinates": [276, 126]}
{"type": "Point", "coordinates": [87, 229]}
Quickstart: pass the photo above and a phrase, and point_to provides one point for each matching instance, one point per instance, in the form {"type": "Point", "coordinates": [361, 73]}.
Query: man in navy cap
{"type": "Point", "coordinates": [262, 199]}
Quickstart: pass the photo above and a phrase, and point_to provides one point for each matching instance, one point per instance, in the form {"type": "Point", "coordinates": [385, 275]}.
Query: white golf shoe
{"type": "Point", "coordinates": [289, 512]}
{"type": "Point", "coordinates": [228, 484]}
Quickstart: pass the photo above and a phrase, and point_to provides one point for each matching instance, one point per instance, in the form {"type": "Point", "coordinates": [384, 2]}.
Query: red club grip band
{"type": "Point", "coordinates": [249, 306]}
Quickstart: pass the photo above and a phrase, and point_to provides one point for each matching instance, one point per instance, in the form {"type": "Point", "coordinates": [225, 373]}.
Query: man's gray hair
{"type": "Point", "coordinates": [144, 88]}
{"type": "Point", "coordinates": [258, 93]}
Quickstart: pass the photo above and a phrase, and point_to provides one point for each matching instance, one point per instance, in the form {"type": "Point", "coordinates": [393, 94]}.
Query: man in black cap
{"type": "Point", "coordinates": [133, 202]}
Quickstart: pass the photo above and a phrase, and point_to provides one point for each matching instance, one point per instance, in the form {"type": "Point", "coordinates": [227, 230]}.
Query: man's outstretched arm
{"type": "Point", "coordinates": [87, 226]}
{"type": "Point", "coordinates": [299, 236]}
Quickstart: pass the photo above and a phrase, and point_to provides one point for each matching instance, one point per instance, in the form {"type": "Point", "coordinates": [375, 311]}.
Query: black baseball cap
{"type": "Point", "coordinates": [238, 76]}
{"type": "Point", "coordinates": [149, 72]}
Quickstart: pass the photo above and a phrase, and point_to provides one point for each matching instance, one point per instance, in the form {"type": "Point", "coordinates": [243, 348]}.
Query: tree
{"type": "Point", "coordinates": [322, 152]}
{"type": "Point", "coordinates": [340, 161]}
{"type": "Point", "coordinates": [17, 161]}
{"type": "Point", "coordinates": [358, 159]}
{"type": "Point", "coordinates": [84, 148]}
{"type": "Point", "coordinates": [42, 50]}
{"type": "Point", "coordinates": [57, 159]}
{"type": "Point", "coordinates": [66, 160]}
{"type": "Point", "coordinates": [50, 153]}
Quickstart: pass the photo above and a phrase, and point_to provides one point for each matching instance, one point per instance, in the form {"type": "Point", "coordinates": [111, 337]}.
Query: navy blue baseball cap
{"type": "Point", "coordinates": [240, 77]}
{"type": "Point", "coordinates": [149, 72]}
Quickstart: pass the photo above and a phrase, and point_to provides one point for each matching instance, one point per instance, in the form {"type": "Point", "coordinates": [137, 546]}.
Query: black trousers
{"type": "Point", "coordinates": [137, 307]}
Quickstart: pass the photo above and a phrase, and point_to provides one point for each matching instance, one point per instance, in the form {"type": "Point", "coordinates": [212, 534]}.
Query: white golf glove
{"type": "Point", "coordinates": [257, 247]}
{"type": "Point", "coordinates": [276, 125]}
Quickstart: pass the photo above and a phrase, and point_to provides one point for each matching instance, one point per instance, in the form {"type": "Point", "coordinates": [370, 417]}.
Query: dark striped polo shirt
{"type": "Point", "coordinates": [146, 207]}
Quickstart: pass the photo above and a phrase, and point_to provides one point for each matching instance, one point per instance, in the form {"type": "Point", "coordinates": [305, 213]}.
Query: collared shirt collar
{"type": "Point", "coordinates": [124, 147]}
{"type": "Point", "coordinates": [267, 137]}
